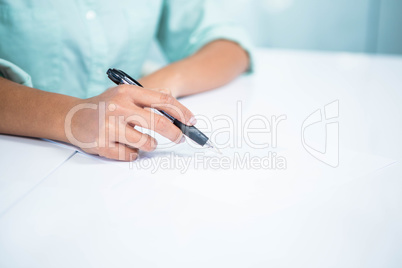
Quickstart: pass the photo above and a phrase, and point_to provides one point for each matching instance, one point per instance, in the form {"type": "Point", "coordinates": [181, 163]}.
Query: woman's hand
{"type": "Point", "coordinates": [104, 125]}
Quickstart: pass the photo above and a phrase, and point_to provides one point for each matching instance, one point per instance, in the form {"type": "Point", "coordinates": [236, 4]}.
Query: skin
{"type": "Point", "coordinates": [32, 112]}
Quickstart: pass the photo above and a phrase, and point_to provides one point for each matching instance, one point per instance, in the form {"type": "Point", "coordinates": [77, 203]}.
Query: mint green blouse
{"type": "Point", "coordinates": [66, 46]}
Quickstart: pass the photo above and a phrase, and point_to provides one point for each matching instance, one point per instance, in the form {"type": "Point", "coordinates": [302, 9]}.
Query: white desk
{"type": "Point", "coordinates": [94, 213]}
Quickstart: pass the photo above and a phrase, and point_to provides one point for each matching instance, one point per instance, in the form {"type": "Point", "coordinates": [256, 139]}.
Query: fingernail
{"type": "Point", "coordinates": [182, 140]}
{"type": "Point", "coordinates": [192, 121]}
{"type": "Point", "coordinates": [154, 144]}
{"type": "Point", "coordinates": [133, 156]}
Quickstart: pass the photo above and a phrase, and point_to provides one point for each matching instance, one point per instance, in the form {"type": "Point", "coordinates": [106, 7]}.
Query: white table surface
{"type": "Point", "coordinates": [88, 212]}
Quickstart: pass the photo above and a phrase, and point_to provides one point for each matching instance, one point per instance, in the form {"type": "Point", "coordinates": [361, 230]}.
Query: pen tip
{"type": "Point", "coordinates": [210, 145]}
{"type": "Point", "coordinates": [217, 150]}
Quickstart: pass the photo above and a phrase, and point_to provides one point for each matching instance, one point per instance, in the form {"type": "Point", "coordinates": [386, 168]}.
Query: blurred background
{"type": "Point", "coordinates": [367, 26]}
{"type": "Point", "coordinates": [361, 26]}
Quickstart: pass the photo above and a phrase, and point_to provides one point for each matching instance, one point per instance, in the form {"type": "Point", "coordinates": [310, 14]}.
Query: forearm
{"type": "Point", "coordinates": [31, 112]}
{"type": "Point", "coordinates": [214, 65]}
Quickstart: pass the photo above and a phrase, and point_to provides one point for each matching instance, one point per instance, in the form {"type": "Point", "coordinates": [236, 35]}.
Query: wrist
{"type": "Point", "coordinates": [65, 116]}
{"type": "Point", "coordinates": [166, 78]}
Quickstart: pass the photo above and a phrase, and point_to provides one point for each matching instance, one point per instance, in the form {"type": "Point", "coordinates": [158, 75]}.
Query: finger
{"type": "Point", "coordinates": [119, 151]}
{"type": "Point", "coordinates": [162, 101]}
{"type": "Point", "coordinates": [133, 138]}
{"type": "Point", "coordinates": [158, 123]}
{"type": "Point", "coordinates": [162, 90]}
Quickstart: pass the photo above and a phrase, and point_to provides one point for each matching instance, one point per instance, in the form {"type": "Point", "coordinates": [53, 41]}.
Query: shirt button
{"type": "Point", "coordinates": [91, 15]}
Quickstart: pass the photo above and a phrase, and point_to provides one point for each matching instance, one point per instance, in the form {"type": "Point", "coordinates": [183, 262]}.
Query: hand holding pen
{"type": "Point", "coordinates": [119, 77]}
{"type": "Point", "coordinates": [104, 124]}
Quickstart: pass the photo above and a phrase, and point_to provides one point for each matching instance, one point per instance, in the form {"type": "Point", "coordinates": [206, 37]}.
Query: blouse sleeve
{"type": "Point", "coordinates": [186, 26]}
{"type": "Point", "coordinates": [14, 73]}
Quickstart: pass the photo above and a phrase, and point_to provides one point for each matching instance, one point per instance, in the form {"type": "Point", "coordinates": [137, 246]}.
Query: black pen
{"type": "Point", "coordinates": [119, 77]}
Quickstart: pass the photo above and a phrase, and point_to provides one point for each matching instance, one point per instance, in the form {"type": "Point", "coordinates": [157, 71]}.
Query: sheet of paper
{"type": "Point", "coordinates": [25, 162]}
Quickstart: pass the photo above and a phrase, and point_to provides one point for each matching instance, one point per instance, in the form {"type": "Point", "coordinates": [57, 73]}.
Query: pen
{"type": "Point", "coordinates": [119, 77]}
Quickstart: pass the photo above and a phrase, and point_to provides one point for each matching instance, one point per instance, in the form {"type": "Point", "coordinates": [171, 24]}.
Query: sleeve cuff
{"type": "Point", "coordinates": [14, 73]}
{"type": "Point", "coordinates": [230, 33]}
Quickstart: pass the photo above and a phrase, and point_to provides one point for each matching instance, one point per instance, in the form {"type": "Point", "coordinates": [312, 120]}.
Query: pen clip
{"type": "Point", "coordinates": [119, 77]}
